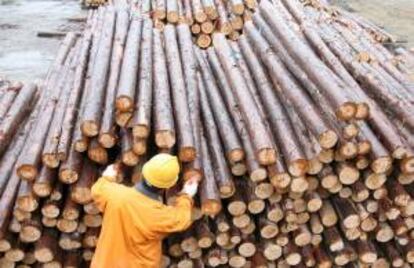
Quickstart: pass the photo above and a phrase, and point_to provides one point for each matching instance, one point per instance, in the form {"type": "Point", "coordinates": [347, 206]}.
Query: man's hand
{"type": "Point", "coordinates": [190, 187]}
{"type": "Point", "coordinates": [111, 171]}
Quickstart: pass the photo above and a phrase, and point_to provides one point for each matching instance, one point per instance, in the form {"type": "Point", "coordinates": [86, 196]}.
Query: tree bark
{"type": "Point", "coordinates": [141, 120]}
{"type": "Point", "coordinates": [107, 132]}
{"type": "Point", "coordinates": [92, 115]}
{"type": "Point", "coordinates": [163, 114]}
{"type": "Point", "coordinates": [186, 145]}
{"type": "Point", "coordinates": [128, 77]}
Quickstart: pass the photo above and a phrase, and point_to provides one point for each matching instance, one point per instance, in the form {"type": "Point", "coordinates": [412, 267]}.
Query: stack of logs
{"type": "Point", "coordinates": [93, 3]}
{"type": "Point", "coordinates": [301, 133]}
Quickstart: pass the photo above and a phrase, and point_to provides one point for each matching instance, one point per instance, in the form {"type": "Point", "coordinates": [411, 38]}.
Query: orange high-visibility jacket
{"type": "Point", "coordinates": [134, 225]}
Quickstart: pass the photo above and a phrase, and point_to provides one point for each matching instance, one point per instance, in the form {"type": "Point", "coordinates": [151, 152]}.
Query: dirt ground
{"type": "Point", "coordinates": [395, 16]}
{"type": "Point", "coordinates": [24, 56]}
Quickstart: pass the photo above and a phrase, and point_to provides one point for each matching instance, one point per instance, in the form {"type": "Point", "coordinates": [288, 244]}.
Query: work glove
{"type": "Point", "coordinates": [111, 171]}
{"type": "Point", "coordinates": [190, 187]}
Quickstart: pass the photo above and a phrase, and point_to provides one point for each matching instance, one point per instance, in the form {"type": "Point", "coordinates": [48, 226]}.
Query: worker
{"type": "Point", "coordinates": [134, 218]}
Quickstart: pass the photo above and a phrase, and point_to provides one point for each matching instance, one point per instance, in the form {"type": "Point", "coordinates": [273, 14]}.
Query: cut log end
{"type": "Point", "coordinates": [211, 208]}
{"type": "Point", "coordinates": [81, 146]}
{"type": "Point", "coordinates": [107, 140]}
{"type": "Point", "coordinates": [226, 191]}
{"type": "Point", "coordinates": [200, 17]}
{"type": "Point", "coordinates": [140, 131]}
{"type": "Point", "coordinates": [407, 165]}
{"type": "Point", "coordinates": [4, 245]}
{"type": "Point", "coordinates": [51, 160]}
{"type": "Point", "coordinates": [192, 173]}
{"type": "Point", "coordinates": [362, 111]}
{"type": "Point", "coordinates": [226, 28]}
{"type": "Point", "coordinates": [298, 167]}
{"type": "Point", "coordinates": [27, 203]}
{"type": "Point", "coordinates": [281, 180]}
{"type": "Point", "coordinates": [130, 158]}
{"type": "Point", "coordinates": [44, 255]}
{"type": "Point", "coordinates": [27, 172]}
{"type": "Point", "coordinates": [89, 128]}
{"type": "Point", "coordinates": [238, 9]}
{"type": "Point", "coordinates": [98, 155]}
{"type": "Point", "coordinates": [172, 17]}
{"type": "Point", "coordinates": [122, 118]}
{"type": "Point", "coordinates": [267, 156]}
{"type": "Point", "coordinates": [381, 164]}
{"type": "Point", "coordinates": [187, 154]}
{"type": "Point", "coordinates": [203, 40]}
{"type": "Point", "coordinates": [256, 206]}
{"type": "Point", "coordinates": [42, 189]}
{"type": "Point", "coordinates": [347, 111]}
{"type": "Point", "coordinates": [348, 150]}
{"type": "Point", "coordinates": [328, 139]}
{"type": "Point", "coordinates": [364, 147]}
{"type": "Point", "coordinates": [29, 234]}
{"type": "Point", "coordinates": [165, 139]}
{"type": "Point", "coordinates": [68, 176]}
{"type": "Point", "coordinates": [258, 174]}
{"type": "Point", "coordinates": [124, 104]}
{"type": "Point", "coordinates": [236, 155]}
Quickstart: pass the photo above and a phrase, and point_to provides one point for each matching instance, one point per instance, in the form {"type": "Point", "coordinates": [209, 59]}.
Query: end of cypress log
{"type": "Point", "coordinates": [347, 111]}
{"type": "Point", "coordinates": [89, 128]}
{"type": "Point", "coordinates": [68, 176]}
{"type": "Point", "coordinates": [165, 139]}
{"type": "Point", "coordinates": [211, 207]}
{"type": "Point", "coordinates": [266, 156]}
{"type": "Point", "coordinates": [187, 154]}
{"type": "Point", "coordinates": [140, 131]}
{"type": "Point", "coordinates": [407, 165]}
{"type": "Point", "coordinates": [235, 155]}
{"type": "Point", "coordinates": [381, 164]}
{"type": "Point", "coordinates": [124, 104]}
{"type": "Point", "coordinates": [50, 160]}
{"type": "Point", "coordinates": [298, 167]}
{"type": "Point", "coordinates": [328, 139]}
{"type": "Point", "coordinates": [107, 140]}
{"type": "Point", "coordinates": [362, 111]}
{"type": "Point", "coordinates": [122, 118]}
{"type": "Point", "coordinates": [27, 172]}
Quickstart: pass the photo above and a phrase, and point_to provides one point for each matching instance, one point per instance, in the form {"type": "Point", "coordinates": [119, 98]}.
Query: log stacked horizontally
{"type": "Point", "coordinates": [301, 133]}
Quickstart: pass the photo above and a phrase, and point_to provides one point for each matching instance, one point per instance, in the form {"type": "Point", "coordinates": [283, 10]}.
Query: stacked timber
{"type": "Point", "coordinates": [301, 133]}
{"type": "Point", "coordinates": [93, 3]}
{"type": "Point", "coordinates": [205, 17]}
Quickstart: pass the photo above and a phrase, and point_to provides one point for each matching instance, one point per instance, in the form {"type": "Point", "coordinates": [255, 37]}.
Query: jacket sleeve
{"type": "Point", "coordinates": [175, 218]}
{"type": "Point", "coordinates": [102, 191]}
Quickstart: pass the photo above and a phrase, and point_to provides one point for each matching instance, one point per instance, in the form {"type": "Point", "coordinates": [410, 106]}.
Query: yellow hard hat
{"type": "Point", "coordinates": [161, 171]}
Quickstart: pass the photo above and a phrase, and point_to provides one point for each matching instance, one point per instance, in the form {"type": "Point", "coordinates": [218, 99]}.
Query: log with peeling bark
{"type": "Point", "coordinates": [264, 150]}
{"type": "Point", "coordinates": [186, 145]}
{"type": "Point", "coordinates": [163, 114]}
{"type": "Point", "coordinates": [14, 116]}
{"type": "Point", "coordinates": [91, 117]}
{"type": "Point", "coordinates": [125, 97]}
{"type": "Point", "coordinates": [141, 119]}
{"type": "Point", "coordinates": [107, 133]}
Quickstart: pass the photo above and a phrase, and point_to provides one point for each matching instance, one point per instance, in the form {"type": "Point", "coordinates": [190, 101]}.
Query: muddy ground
{"type": "Point", "coordinates": [24, 56]}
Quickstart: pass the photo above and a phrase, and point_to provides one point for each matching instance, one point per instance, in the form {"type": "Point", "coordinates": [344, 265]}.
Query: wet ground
{"type": "Point", "coordinates": [395, 16]}
{"type": "Point", "coordinates": [24, 56]}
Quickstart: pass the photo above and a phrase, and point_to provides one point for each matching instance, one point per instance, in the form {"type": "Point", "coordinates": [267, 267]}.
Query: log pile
{"type": "Point", "coordinates": [301, 133]}
{"type": "Point", "coordinates": [93, 3]}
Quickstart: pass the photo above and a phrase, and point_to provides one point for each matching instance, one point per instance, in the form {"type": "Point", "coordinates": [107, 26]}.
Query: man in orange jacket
{"type": "Point", "coordinates": [134, 218]}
